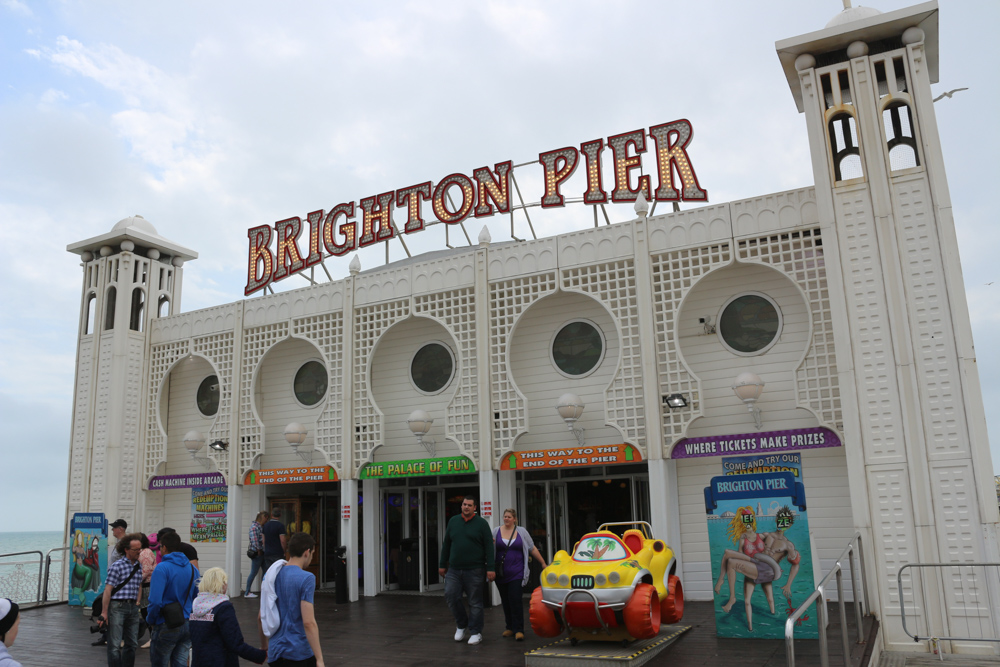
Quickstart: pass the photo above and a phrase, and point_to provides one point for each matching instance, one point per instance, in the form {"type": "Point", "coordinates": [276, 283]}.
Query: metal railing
{"type": "Point", "coordinates": [974, 603]}
{"type": "Point", "coordinates": [819, 596]}
{"type": "Point", "coordinates": [21, 587]}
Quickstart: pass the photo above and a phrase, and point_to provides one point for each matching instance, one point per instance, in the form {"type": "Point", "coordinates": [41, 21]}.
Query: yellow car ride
{"type": "Point", "coordinates": [612, 588]}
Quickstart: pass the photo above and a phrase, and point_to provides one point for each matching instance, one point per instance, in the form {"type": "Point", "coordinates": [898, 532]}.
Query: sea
{"type": "Point", "coordinates": [19, 574]}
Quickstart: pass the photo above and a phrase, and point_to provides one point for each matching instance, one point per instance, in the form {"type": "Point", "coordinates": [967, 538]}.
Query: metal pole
{"type": "Point", "coordinates": [824, 651]}
{"type": "Point", "coordinates": [857, 598]}
{"type": "Point", "coordinates": [843, 616]}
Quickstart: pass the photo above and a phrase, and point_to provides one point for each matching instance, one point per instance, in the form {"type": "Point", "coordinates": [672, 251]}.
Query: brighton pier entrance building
{"type": "Point", "coordinates": [605, 374]}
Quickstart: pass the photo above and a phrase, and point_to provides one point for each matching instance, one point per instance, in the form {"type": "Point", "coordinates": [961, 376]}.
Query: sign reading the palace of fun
{"type": "Point", "coordinates": [570, 457]}
{"type": "Point", "coordinates": [448, 465]}
{"type": "Point", "coordinates": [457, 196]}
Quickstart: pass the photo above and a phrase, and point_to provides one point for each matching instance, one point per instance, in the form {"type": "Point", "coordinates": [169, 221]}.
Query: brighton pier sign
{"type": "Point", "coordinates": [337, 232]}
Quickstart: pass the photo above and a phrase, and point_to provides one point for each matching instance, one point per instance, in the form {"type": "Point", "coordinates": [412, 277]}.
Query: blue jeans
{"type": "Point", "coordinates": [170, 648]}
{"type": "Point", "coordinates": [256, 565]}
{"type": "Point", "coordinates": [471, 582]}
{"type": "Point", "coordinates": [123, 622]}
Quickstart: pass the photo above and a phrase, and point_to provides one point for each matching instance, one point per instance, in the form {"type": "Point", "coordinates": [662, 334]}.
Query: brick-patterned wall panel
{"type": "Point", "coordinates": [81, 418]}
{"type": "Point", "coordinates": [102, 401]}
{"type": "Point", "coordinates": [893, 532]}
{"type": "Point", "coordinates": [131, 445]}
{"type": "Point", "coordinates": [326, 332]}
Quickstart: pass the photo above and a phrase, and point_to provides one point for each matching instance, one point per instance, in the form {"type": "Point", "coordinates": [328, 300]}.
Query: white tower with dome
{"type": "Point", "coordinates": [131, 274]}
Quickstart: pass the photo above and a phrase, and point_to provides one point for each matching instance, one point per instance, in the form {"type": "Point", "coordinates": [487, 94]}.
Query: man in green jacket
{"type": "Point", "coordinates": [466, 555]}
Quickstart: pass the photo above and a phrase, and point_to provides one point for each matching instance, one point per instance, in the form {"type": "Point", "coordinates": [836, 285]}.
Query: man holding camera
{"type": "Point", "coordinates": [121, 612]}
{"type": "Point", "coordinates": [172, 589]}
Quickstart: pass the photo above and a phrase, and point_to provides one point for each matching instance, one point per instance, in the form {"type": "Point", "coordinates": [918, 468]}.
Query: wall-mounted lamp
{"type": "Point", "coordinates": [219, 445]}
{"type": "Point", "coordinates": [295, 435]}
{"type": "Point", "coordinates": [675, 401]}
{"type": "Point", "coordinates": [747, 388]}
{"type": "Point", "coordinates": [420, 424]}
{"type": "Point", "coordinates": [193, 442]}
{"type": "Point", "coordinates": [570, 407]}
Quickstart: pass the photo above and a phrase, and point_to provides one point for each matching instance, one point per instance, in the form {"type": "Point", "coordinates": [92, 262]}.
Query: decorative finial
{"type": "Point", "coordinates": [355, 266]}
{"type": "Point", "coordinates": [484, 237]}
{"type": "Point", "coordinates": [641, 207]}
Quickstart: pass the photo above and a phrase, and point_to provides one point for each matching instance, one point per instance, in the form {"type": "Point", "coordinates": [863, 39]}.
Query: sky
{"type": "Point", "coordinates": [212, 118]}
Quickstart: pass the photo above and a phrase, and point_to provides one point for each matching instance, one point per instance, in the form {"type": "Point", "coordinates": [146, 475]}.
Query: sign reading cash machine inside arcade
{"type": "Point", "coordinates": [487, 192]}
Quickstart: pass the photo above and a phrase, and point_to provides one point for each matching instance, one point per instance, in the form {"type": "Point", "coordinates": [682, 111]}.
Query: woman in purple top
{"type": "Point", "coordinates": [513, 544]}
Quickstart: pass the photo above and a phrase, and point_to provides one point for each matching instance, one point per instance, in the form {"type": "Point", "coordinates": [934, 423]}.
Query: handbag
{"type": "Point", "coordinates": [252, 553]}
{"type": "Point", "coordinates": [173, 613]}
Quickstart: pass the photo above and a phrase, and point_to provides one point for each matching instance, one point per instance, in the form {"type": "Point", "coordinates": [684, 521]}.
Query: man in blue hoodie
{"type": "Point", "coordinates": [174, 580]}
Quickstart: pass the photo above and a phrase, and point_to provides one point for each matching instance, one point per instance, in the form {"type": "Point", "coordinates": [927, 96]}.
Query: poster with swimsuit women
{"type": "Point", "coordinates": [758, 533]}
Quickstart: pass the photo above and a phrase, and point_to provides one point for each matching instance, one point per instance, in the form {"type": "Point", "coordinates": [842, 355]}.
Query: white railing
{"type": "Point", "coordinates": [20, 583]}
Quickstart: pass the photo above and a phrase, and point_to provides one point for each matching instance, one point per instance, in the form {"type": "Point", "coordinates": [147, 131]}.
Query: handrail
{"type": "Point", "coordinates": [40, 559]}
{"type": "Point", "coordinates": [902, 605]}
{"type": "Point", "coordinates": [819, 597]}
{"type": "Point", "coordinates": [48, 563]}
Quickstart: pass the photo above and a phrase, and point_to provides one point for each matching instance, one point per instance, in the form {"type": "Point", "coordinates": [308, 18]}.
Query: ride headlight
{"type": "Point", "coordinates": [601, 579]}
{"type": "Point", "coordinates": [614, 577]}
{"type": "Point", "coordinates": [552, 578]}
{"type": "Point", "coordinates": [564, 580]}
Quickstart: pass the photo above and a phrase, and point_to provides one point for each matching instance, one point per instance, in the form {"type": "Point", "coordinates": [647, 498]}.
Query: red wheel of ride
{"type": "Point", "coordinates": [543, 619]}
{"type": "Point", "coordinates": [642, 613]}
{"type": "Point", "coordinates": [672, 607]}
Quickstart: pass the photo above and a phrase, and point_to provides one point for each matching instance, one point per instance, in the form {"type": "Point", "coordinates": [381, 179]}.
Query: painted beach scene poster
{"type": "Point", "coordinates": [89, 565]}
{"type": "Point", "coordinates": [758, 531]}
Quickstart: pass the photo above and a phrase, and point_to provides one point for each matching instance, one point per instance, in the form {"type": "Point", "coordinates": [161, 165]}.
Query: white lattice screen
{"type": "Point", "coordinates": [613, 284]}
{"type": "Point", "coordinates": [800, 256]}
{"type": "Point", "coordinates": [673, 275]}
{"type": "Point", "coordinates": [256, 342]}
{"type": "Point", "coordinates": [326, 332]}
{"type": "Point", "coordinates": [161, 358]}
{"type": "Point", "coordinates": [508, 299]}
{"type": "Point", "coordinates": [370, 322]}
{"type": "Point", "coordinates": [456, 310]}
{"type": "Point", "coordinates": [218, 349]}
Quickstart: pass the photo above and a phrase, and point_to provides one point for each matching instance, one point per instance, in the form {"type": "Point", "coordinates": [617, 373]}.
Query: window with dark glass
{"type": "Point", "coordinates": [310, 383]}
{"type": "Point", "coordinates": [208, 396]}
{"type": "Point", "coordinates": [432, 368]}
{"type": "Point", "coordinates": [578, 348]}
{"type": "Point", "coordinates": [749, 323]}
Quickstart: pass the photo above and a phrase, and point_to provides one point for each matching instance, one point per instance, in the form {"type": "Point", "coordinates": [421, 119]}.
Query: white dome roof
{"type": "Point", "coordinates": [852, 14]}
{"type": "Point", "coordinates": [137, 222]}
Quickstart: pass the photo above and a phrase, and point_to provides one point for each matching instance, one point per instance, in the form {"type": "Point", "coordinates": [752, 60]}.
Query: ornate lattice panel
{"type": "Point", "coordinates": [508, 299]}
{"type": "Point", "coordinates": [456, 310]}
{"type": "Point", "coordinates": [218, 349]}
{"type": "Point", "coordinates": [102, 403]}
{"type": "Point", "coordinates": [673, 274]}
{"type": "Point", "coordinates": [130, 419]}
{"type": "Point", "coordinates": [370, 322]}
{"type": "Point", "coordinates": [81, 417]}
{"type": "Point", "coordinates": [161, 359]}
{"type": "Point", "coordinates": [800, 256]}
{"type": "Point", "coordinates": [326, 331]}
{"type": "Point", "coordinates": [613, 284]}
{"type": "Point", "coordinates": [256, 342]}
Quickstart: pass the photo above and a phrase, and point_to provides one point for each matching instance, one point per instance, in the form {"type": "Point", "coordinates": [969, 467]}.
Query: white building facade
{"type": "Point", "coordinates": [846, 299]}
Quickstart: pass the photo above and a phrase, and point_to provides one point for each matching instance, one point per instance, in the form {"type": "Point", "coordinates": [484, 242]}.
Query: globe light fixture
{"type": "Point", "coordinates": [748, 387]}
{"type": "Point", "coordinates": [570, 407]}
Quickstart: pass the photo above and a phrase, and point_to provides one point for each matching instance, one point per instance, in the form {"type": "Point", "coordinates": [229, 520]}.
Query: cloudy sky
{"type": "Point", "coordinates": [211, 118]}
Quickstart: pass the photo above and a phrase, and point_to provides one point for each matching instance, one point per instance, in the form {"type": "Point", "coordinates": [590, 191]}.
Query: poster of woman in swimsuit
{"type": "Point", "coordinates": [758, 533]}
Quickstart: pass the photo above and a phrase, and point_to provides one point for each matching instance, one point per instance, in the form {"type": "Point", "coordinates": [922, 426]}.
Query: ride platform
{"type": "Point", "coordinates": [566, 652]}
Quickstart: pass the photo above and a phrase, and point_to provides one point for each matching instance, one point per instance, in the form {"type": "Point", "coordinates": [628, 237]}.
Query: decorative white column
{"type": "Point", "coordinates": [349, 533]}
{"type": "Point", "coordinates": [373, 559]}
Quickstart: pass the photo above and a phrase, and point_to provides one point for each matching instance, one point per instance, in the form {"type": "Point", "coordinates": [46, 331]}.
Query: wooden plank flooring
{"type": "Point", "coordinates": [411, 630]}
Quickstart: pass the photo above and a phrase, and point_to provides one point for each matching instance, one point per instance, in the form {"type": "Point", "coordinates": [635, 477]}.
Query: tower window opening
{"type": "Point", "coordinates": [900, 70]}
{"type": "Point", "coordinates": [91, 310]}
{"type": "Point", "coordinates": [163, 307]}
{"type": "Point", "coordinates": [138, 301]}
{"type": "Point", "coordinates": [109, 308]}
{"type": "Point", "coordinates": [845, 87]}
{"type": "Point", "coordinates": [827, 91]}
{"type": "Point", "coordinates": [899, 137]}
{"type": "Point", "coordinates": [162, 278]}
{"type": "Point", "coordinates": [844, 147]}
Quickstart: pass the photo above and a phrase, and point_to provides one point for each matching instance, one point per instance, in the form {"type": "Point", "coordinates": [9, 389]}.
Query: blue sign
{"type": "Point", "coordinates": [89, 547]}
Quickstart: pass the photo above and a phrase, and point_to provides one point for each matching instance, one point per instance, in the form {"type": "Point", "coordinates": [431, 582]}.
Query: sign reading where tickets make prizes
{"type": "Point", "coordinates": [570, 457]}
{"type": "Point", "coordinates": [447, 465]}
{"type": "Point", "coordinates": [291, 475]}
{"type": "Point", "coordinates": [208, 513]}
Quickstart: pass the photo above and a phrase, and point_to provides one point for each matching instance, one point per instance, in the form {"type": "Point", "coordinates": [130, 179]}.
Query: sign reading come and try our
{"type": "Point", "coordinates": [487, 192]}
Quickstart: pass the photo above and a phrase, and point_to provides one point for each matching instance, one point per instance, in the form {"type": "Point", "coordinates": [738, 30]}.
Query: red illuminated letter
{"type": "Point", "coordinates": [497, 189]}
{"type": "Point", "coordinates": [468, 197]}
{"type": "Point", "coordinates": [286, 254]}
{"type": "Point", "coordinates": [410, 198]}
{"type": "Point", "coordinates": [372, 214]}
{"type": "Point", "coordinates": [260, 239]}
{"type": "Point", "coordinates": [559, 165]}
{"type": "Point", "coordinates": [315, 223]}
{"type": "Point", "coordinates": [595, 193]}
{"type": "Point", "coordinates": [348, 229]}
{"type": "Point", "coordinates": [672, 140]}
{"type": "Point", "coordinates": [624, 163]}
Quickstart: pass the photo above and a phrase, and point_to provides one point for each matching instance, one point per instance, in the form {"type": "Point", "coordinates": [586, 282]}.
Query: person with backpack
{"type": "Point", "coordinates": [120, 609]}
{"type": "Point", "coordinates": [172, 590]}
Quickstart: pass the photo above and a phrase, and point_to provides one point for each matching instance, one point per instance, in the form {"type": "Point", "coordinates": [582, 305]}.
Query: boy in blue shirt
{"type": "Point", "coordinates": [296, 641]}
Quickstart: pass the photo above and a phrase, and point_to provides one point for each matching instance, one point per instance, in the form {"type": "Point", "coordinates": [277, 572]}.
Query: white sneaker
{"type": "Point", "coordinates": [250, 595]}
{"type": "Point", "coordinates": [459, 634]}
{"type": "Point", "coordinates": [475, 639]}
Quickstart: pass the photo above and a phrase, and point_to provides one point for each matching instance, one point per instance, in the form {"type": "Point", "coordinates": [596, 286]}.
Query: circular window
{"type": "Point", "coordinates": [310, 383]}
{"type": "Point", "coordinates": [208, 396]}
{"type": "Point", "coordinates": [578, 348]}
{"type": "Point", "coordinates": [432, 368]}
{"type": "Point", "coordinates": [749, 323]}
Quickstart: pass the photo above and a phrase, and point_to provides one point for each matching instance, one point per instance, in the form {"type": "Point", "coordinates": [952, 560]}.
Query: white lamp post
{"type": "Point", "coordinates": [748, 387]}
{"type": "Point", "coordinates": [570, 407]}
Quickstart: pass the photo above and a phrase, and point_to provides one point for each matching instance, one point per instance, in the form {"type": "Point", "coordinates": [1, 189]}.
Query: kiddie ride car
{"type": "Point", "coordinates": [611, 589]}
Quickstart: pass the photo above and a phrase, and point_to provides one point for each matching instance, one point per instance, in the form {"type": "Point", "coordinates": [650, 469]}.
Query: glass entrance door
{"type": "Point", "coordinates": [431, 505]}
{"type": "Point", "coordinates": [392, 537]}
{"type": "Point", "coordinates": [302, 514]}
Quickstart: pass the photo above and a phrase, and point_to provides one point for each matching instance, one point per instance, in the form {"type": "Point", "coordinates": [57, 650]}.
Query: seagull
{"type": "Point", "coordinates": [990, 282]}
{"type": "Point", "coordinates": [949, 93]}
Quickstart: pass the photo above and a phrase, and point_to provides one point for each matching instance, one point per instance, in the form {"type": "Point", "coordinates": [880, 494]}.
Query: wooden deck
{"type": "Point", "coordinates": [412, 630]}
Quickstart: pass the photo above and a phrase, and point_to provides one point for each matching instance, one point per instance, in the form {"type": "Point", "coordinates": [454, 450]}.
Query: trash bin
{"type": "Point", "coordinates": [340, 575]}
{"type": "Point", "coordinates": [409, 564]}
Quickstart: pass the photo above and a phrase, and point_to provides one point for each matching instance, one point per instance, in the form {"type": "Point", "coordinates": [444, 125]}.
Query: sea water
{"type": "Point", "coordinates": [19, 574]}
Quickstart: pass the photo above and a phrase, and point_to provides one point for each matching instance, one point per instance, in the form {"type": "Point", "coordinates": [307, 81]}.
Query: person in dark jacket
{"type": "Point", "coordinates": [216, 638]}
